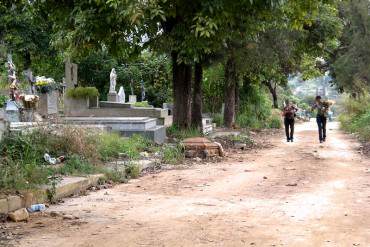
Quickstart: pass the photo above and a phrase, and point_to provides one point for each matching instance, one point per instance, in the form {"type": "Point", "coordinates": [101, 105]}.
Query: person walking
{"type": "Point", "coordinates": [289, 113]}
{"type": "Point", "coordinates": [321, 117]}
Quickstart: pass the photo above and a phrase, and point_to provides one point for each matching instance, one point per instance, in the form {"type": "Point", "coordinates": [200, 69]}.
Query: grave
{"type": "Point", "coordinates": [126, 126]}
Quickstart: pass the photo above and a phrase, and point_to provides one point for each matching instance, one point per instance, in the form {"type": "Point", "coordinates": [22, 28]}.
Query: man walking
{"type": "Point", "coordinates": [289, 113]}
{"type": "Point", "coordinates": [321, 117]}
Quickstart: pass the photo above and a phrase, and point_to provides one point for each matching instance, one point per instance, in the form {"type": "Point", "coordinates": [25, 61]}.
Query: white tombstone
{"type": "Point", "coordinates": [121, 95]}
{"type": "Point", "coordinates": [132, 99]}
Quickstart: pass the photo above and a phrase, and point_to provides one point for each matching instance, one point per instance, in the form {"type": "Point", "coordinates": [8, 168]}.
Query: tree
{"type": "Point", "coordinates": [349, 64]}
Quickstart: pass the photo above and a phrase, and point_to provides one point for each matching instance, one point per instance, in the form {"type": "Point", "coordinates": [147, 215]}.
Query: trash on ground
{"type": "Point", "coordinates": [36, 208]}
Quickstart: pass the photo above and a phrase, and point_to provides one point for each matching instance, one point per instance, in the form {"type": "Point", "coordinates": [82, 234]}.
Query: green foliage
{"type": "Point", "coordinates": [241, 139]}
{"type": "Point", "coordinates": [350, 63]}
{"type": "Point", "coordinates": [255, 107]}
{"type": "Point", "coordinates": [213, 88]}
{"type": "Point", "coordinates": [356, 117]}
{"type": "Point", "coordinates": [3, 100]}
{"type": "Point", "coordinates": [218, 119]}
{"type": "Point", "coordinates": [175, 132]}
{"type": "Point", "coordinates": [77, 165]}
{"type": "Point", "coordinates": [112, 146]}
{"type": "Point", "coordinates": [274, 121]}
{"type": "Point", "coordinates": [22, 165]}
{"type": "Point", "coordinates": [82, 92]}
{"type": "Point", "coordinates": [172, 154]}
{"type": "Point", "coordinates": [132, 170]}
{"type": "Point", "coordinates": [142, 104]}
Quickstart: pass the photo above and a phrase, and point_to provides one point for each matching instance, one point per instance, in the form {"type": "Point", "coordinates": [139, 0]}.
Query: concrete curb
{"type": "Point", "coordinates": [67, 187]}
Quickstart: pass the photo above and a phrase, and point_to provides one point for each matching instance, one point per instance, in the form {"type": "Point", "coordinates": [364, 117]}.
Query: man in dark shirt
{"type": "Point", "coordinates": [321, 117]}
{"type": "Point", "coordinates": [289, 113]}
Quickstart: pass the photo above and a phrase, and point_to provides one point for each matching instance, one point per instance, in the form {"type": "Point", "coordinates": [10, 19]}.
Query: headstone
{"type": "Point", "coordinates": [142, 90]}
{"type": "Point", "coordinates": [48, 103]}
{"type": "Point", "coordinates": [12, 111]}
{"type": "Point", "coordinates": [132, 99]}
{"type": "Point", "coordinates": [121, 95]}
{"type": "Point", "coordinates": [74, 74]}
{"type": "Point", "coordinates": [71, 70]}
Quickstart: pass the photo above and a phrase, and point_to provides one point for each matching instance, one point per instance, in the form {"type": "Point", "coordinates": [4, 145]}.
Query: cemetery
{"type": "Point", "coordinates": [103, 137]}
{"type": "Point", "coordinates": [184, 123]}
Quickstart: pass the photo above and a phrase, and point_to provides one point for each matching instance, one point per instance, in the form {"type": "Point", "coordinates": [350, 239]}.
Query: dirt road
{"type": "Point", "coordinates": [293, 194]}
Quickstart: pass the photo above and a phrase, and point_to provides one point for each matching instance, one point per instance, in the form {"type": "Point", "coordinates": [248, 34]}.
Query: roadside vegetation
{"type": "Point", "coordinates": [355, 117]}
{"type": "Point", "coordinates": [22, 163]}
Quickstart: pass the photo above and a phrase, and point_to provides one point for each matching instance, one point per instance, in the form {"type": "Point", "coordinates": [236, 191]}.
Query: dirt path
{"type": "Point", "coordinates": [294, 194]}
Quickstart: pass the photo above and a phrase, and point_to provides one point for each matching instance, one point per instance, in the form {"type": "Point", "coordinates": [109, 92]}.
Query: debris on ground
{"type": "Point", "coordinates": [202, 148]}
{"type": "Point", "coordinates": [36, 208]}
{"type": "Point", "coordinates": [19, 215]}
{"type": "Point", "coordinates": [53, 161]}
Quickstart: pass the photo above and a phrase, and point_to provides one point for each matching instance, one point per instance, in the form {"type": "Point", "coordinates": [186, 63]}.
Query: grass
{"type": "Point", "coordinates": [172, 154]}
{"type": "Point", "coordinates": [82, 92]}
{"type": "Point", "coordinates": [141, 104]}
{"type": "Point", "coordinates": [181, 134]}
{"type": "Point", "coordinates": [22, 165]}
{"type": "Point", "coordinates": [241, 139]}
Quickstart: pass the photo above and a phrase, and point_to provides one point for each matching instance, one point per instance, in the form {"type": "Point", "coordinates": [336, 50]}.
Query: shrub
{"type": "Point", "coordinates": [274, 122]}
{"type": "Point", "coordinates": [3, 100]}
{"type": "Point", "coordinates": [82, 92]}
{"type": "Point", "coordinates": [356, 117]}
{"type": "Point", "coordinates": [22, 164]}
{"type": "Point", "coordinates": [172, 154]}
{"type": "Point", "coordinates": [218, 118]}
{"type": "Point", "coordinates": [111, 145]}
{"type": "Point", "coordinates": [132, 171]}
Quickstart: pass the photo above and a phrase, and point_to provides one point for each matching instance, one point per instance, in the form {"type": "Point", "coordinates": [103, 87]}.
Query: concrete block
{"type": "Point", "coordinates": [70, 186]}
{"type": "Point", "coordinates": [19, 215]}
{"type": "Point", "coordinates": [4, 206]}
{"type": "Point", "coordinates": [14, 203]}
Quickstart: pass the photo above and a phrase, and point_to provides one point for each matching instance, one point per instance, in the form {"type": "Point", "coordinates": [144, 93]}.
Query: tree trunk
{"type": "Point", "coordinates": [272, 88]}
{"type": "Point", "coordinates": [237, 99]}
{"type": "Point", "coordinates": [197, 106]}
{"type": "Point", "coordinates": [230, 85]}
{"type": "Point", "coordinates": [181, 93]}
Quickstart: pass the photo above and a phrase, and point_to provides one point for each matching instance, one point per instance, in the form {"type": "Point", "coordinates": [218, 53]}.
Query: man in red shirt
{"type": "Point", "coordinates": [289, 113]}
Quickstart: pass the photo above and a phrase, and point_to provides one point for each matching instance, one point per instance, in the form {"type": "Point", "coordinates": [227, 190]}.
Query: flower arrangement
{"type": "Point", "coordinates": [45, 85]}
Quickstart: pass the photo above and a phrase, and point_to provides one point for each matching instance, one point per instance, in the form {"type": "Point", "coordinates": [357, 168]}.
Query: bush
{"type": "Point", "coordinates": [274, 122]}
{"type": "Point", "coordinates": [356, 117]}
{"type": "Point", "coordinates": [132, 171]}
{"type": "Point", "coordinates": [22, 164]}
{"type": "Point", "coordinates": [82, 92]}
{"type": "Point", "coordinates": [3, 100]}
{"type": "Point", "coordinates": [218, 119]}
{"type": "Point", "coordinates": [172, 154]}
{"type": "Point", "coordinates": [255, 107]}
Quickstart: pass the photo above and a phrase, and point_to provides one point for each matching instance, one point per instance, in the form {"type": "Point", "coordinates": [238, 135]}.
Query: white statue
{"type": "Point", "coordinates": [113, 81]}
{"type": "Point", "coordinates": [121, 95]}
